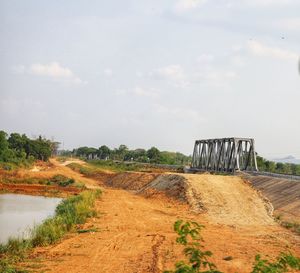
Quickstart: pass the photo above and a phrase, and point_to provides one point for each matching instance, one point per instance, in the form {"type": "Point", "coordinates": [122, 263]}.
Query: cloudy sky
{"type": "Point", "coordinates": [152, 73]}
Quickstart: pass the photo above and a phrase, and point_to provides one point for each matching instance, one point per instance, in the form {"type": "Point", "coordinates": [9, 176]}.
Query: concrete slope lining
{"type": "Point", "coordinates": [283, 193]}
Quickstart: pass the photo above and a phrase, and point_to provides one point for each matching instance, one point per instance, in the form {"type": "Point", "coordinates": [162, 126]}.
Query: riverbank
{"type": "Point", "coordinates": [70, 215]}
{"type": "Point", "coordinates": [39, 190]}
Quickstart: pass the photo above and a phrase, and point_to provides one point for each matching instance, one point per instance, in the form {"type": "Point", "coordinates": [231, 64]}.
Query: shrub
{"type": "Point", "coordinates": [283, 263]}
{"type": "Point", "coordinates": [198, 259]}
{"type": "Point", "coordinates": [62, 180]}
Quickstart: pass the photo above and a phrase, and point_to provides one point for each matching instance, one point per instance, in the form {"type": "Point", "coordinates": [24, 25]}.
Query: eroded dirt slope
{"type": "Point", "coordinates": [228, 200]}
{"type": "Point", "coordinates": [224, 199]}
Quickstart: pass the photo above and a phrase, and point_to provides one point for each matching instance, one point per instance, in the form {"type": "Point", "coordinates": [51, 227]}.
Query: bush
{"type": "Point", "coordinates": [198, 259]}
{"type": "Point", "coordinates": [283, 263]}
{"type": "Point", "coordinates": [62, 180]}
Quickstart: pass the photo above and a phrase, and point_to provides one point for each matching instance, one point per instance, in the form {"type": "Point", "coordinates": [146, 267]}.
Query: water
{"type": "Point", "coordinates": [19, 213]}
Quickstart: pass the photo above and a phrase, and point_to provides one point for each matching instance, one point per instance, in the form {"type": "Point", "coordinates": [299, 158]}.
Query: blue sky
{"type": "Point", "coordinates": [152, 73]}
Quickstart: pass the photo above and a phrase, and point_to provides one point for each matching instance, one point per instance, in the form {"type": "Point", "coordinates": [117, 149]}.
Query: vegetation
{"type": "Point", "coordinates": [283, 263]}
{"type": "Point", "coordinates": [279, 167]}
{"type": "Point", "coordinates": [69, 213]}
{"type": "Point", "coordinates": [293, 226]}
{"type": "Point", "coordinates": [16, 149]}
{"type": "Point", "coordinates": [99, 166]}
{"type": "Point", "coordinates": [198, 259]}
{"type": "Point", "coordinates": [153, 155]}
{"type": "Point", "coordinates": [12, 177]}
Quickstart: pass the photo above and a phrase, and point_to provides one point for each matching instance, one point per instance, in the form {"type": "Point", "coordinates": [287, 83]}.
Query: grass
{"type": "Point", "coordinates": [68, 214]}
{"type": "Point", "coordinates": [117, 166]}
{"type": "Point", "coordinates": [85, 170]}
{"type": "Point", "coordinates": [97, 166]}
{"type": "Point", "coordinates": [9, 166]}
{"type": "Point", "coordinates": [293, 226]}
{"type": "Point", "coordinates": [56, 180]}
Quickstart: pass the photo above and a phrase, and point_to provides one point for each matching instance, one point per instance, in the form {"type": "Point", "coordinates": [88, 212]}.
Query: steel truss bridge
{"type": "Point", "coordinates": [224, 155]}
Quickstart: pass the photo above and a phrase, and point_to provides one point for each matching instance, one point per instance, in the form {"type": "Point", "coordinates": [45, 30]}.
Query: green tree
{"type": "Point", "coordinates": [270, 166]}
{"type": "Point", "coordinates": [121, 152]}
{"type": "Point", "coordinates": [154, 155]}
{"type": "Point", "coordinates": [3, 141]}
{"type": "Point", "coordinates": [103, 152]}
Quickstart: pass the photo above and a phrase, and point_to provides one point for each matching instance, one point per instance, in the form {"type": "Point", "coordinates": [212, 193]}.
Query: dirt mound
{"type": "Point", "coordinates": [228, 200]}
{"type": "Point", "coordinates": [131, 180]}
{"type": "Point", "coordinates": [225, 199]}
{"type": "Point", "coordinates": [172, 185]}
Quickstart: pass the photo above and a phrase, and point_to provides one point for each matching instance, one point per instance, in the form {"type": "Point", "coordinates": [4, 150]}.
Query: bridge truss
{"type": "Point", "coordinates": [224, 155]}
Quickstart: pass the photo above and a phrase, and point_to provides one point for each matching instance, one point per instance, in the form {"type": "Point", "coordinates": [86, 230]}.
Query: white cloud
{"type": "Point", "coordinates": [289, 24]}
{"type": "Point", "coordinates": [139, 74]}
{"type": "Point", "coordinates": [179, 113]}
{"type": "Point", "coordinates": [108, 72]}
{"type": "Point", "coordinates": [268, 2]}
{"type": "Point", "coordinates": [18, 69]}
{"type": "Point", "coordinates": [139, 92]}
{"type": "Point", "coordinates": [262, 50]}
{"type": "Point", "coordinates": [182, 6]}
{"type": "Point", "coordinates": [214, 77]}
{"type": "Point", "coordinates": [15, 107]}
{"type": "Point", "coordinates": [142, 92]}
{"type": "Point", "coordinates": [260, 3]}
{"type": "Point", "coordinates": [205, 58]}
{"type": "Point", "coordinates": [174, 74]}
{"type": "Point", "coordinates": [53, 69]}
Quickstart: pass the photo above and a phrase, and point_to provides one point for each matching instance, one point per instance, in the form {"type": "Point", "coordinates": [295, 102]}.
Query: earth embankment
{"type": "Point", "coordinates": [224, 199]}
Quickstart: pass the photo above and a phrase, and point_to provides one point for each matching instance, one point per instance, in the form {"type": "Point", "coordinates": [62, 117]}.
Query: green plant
{"type": "Point", "coordinates": [62, 180]}
{"type": "Point", "coordinates": [283, 263]}
{"type": "Point", "coordinates": [198, 259]}
{"type": "Point", "coordinates": [7, 267]}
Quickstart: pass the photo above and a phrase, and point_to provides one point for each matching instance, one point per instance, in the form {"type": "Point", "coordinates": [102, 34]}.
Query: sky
{"type": "Point", "coordinates": [152, 73]}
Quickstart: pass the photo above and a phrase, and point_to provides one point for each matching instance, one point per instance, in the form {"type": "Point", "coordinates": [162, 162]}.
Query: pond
{"type": "Point", "coordinates": [19, 213]}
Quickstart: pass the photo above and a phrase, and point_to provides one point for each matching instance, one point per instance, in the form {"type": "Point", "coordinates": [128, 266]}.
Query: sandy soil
{"type": "Point", "coordinates": [136, 230]}
{"type": "Point", "coordinates": [135, 235]}
{"type": "Point", "coordinates": [228, 200]}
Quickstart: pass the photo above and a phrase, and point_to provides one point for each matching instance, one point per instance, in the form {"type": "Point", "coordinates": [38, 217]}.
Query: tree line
{"type": "Point", "coordinates": [18, 149]}
{"type": "Point", "coordinates": [123, 153]}
{"type": "Point", "coordinates": [277, 167]}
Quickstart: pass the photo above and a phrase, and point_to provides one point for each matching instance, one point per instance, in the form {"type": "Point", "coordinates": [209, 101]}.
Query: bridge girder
{"type": "Point", "coordinates": [224, 155]}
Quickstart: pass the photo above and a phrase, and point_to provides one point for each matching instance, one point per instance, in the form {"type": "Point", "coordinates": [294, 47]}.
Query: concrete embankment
{"type": "Point", "coordinates": [283, 193]}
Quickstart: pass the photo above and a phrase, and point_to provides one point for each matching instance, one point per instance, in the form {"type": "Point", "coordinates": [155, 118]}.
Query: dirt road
{"type": "Point", "coordinates": [136, 235]}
